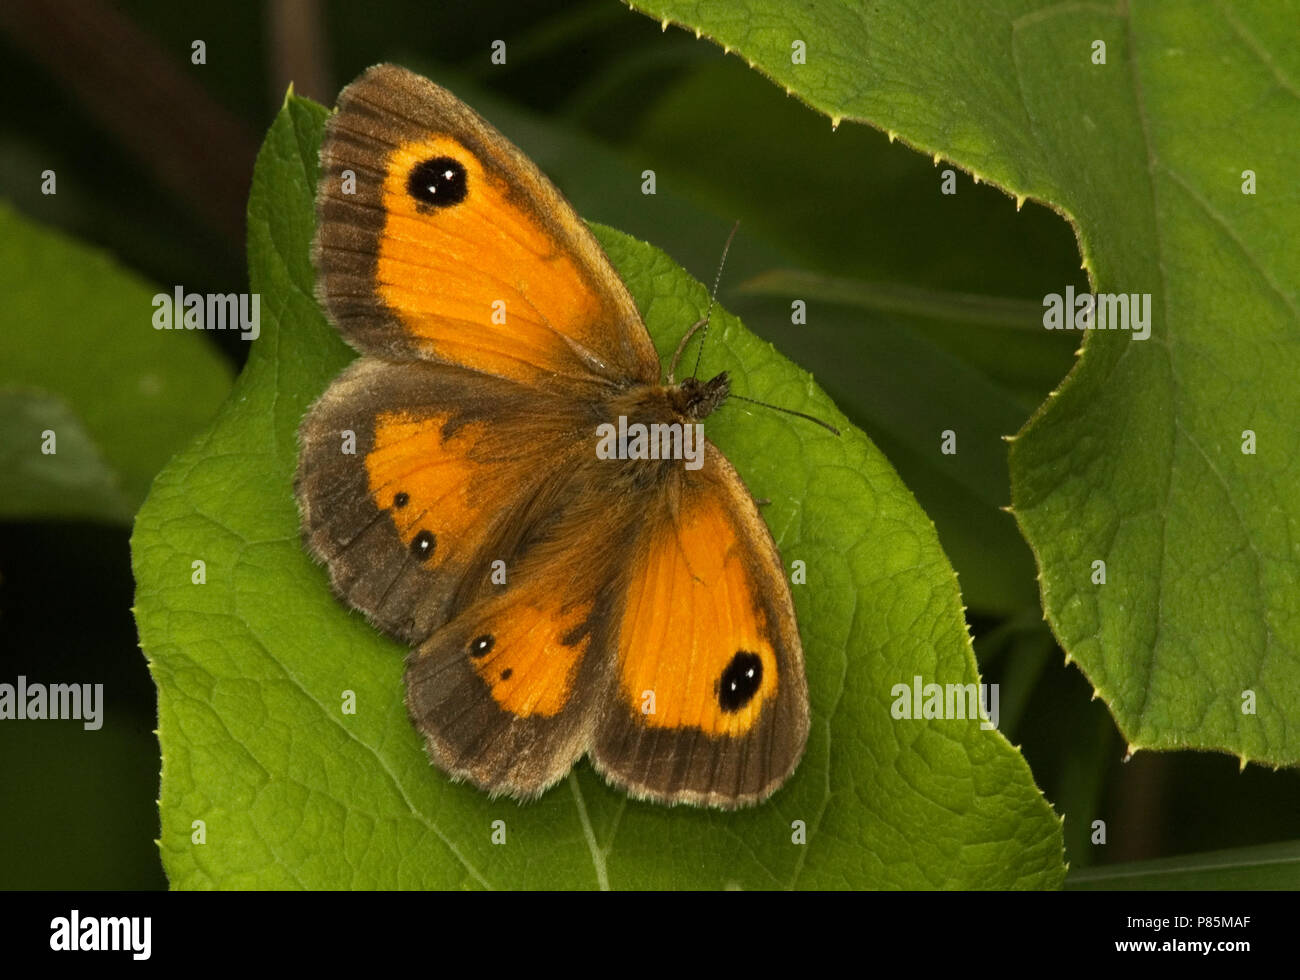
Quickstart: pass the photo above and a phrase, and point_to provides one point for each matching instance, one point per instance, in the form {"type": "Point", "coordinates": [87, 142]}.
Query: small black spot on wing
{"type": "Point", "coordinates": [423, 545]}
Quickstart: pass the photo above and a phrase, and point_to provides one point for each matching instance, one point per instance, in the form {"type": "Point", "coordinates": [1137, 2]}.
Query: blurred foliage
{"type": "Point", "coordinates": [1272, 867]}
{"type": "Point", "coordinates": [85, 363]}
{"type": "Point", "coordinates": [595, 94]}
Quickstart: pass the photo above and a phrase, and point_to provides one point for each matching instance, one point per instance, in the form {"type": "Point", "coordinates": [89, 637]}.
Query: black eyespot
{"type": "Point", "coordinates": [402, 499]}
{"type": "Point", "coordinates": [423, 544]}
{"type": "Point", "coordinates": [740, 681]}
{"type": "Point", "coordinates": [481, 646]}
{"type": "Point", "coordinates": [506, 674]}
{"type": "Point", "coordinates": [439, 182]}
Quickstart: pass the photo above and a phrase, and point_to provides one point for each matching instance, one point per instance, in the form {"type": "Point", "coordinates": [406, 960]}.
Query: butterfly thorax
{"type": "Point", "coordinates": [690, 400]}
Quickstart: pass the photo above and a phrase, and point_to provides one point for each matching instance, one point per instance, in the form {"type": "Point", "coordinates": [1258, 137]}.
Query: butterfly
{"type": "Point", "coordinates": [576, 570]}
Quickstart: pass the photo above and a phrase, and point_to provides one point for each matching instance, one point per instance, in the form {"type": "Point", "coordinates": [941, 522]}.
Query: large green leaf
{"type": "Point", "coordinates": [852, 206]}
{"type": "Point", "coordinates": [1137, 460]}
{"type": "Point", "coordinates": [79, 358]}
{"type": "Point", "coordinates": [251, 666]}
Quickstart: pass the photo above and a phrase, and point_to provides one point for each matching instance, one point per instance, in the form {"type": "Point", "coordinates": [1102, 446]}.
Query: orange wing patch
{"type": "Point", "coordinates": [428, 482]}
{"type": "Point", "coordinates": [528, 655]}
{"type": "Point", "coordinates": [693, 632]}
{"type": "Point", "coordinates": [454, 272]}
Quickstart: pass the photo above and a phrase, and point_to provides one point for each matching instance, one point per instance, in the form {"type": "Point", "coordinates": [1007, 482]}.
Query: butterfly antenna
{"type": "Point", "coordinates": [787, 411]}
{"type": "Point", "coordinates": [713, 296]}
{"type": "Point", "coordinates": [699, 353]}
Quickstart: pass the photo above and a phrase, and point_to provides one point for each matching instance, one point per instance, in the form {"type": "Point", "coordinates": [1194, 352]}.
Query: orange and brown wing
{"type": "Point", "coordinates": [437, 239]}
{"type": "Point", "coordinates": [506, 692]}
{"type": "Point", "coordinates": [509, 693]}
{"type": "Point", "coordinates": [710, 702]}
{"type": "Point", "coordinates": [414, 478]}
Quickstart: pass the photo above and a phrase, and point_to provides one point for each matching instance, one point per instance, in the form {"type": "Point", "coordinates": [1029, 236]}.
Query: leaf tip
{"type": "Point", "coordinates": [1020, 201]}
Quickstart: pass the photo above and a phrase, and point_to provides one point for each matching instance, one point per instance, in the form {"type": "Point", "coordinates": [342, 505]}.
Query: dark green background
{"type": "Point", "coordinates": [154, 157]}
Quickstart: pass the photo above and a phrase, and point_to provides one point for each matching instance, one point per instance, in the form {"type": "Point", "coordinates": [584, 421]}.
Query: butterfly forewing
{"type": "Point", "coordinates": [438, 239]}
{"type": "Point", "coordinates": [710, 703]}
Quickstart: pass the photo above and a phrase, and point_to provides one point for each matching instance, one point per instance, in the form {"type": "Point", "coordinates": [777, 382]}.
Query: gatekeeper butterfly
{"type": "Point", "coordinates": [560, 600]}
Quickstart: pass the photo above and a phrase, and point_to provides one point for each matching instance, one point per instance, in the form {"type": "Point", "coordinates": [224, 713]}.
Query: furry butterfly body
{"type": "Point", "coordinates": [559, 601]}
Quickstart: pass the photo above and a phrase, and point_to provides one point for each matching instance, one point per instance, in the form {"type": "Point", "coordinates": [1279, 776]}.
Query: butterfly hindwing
{"type": "Point", "coordinates": [508, 694]}
{"type": "Point", "coordinates": [437, 239]}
